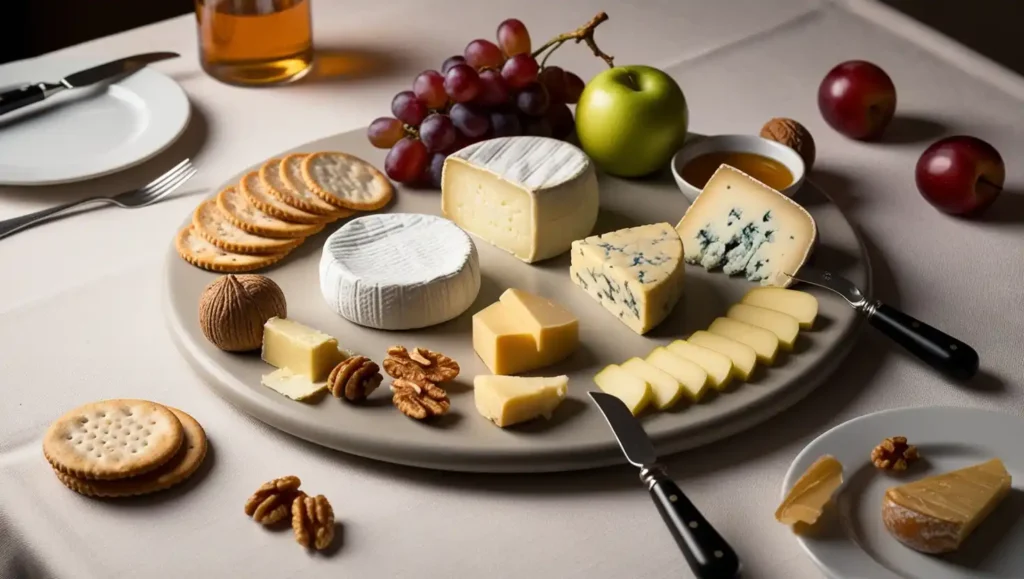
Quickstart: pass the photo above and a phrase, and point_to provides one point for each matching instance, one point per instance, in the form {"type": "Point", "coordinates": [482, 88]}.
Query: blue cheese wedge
{"type": "Point", "coordinates": [744, 227]}
{"type": "Point", "coordinates": [635, 273]}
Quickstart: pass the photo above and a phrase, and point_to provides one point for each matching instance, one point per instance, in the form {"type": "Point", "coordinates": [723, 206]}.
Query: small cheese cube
{"type": "Point", "coordinates": [523, 332]}
{"type": "Point", "coordinates": [508, 400]}
{"type": "Point", "coordinates": [555, 330]}
{"type": "Point", "coordinates": [717, 366]}
{"type": "Point", "coordinates": [801, 305]}
{"type": "Point", "coordinates": [633, 391]}
{"type": "Point", "coordinates": [743, 357]}
{"type": "Point", "coordinates": [301, 349]}
{"type": "Point", "coordinates": [693, 379]}
{"type": "Point", "coordinates": [784, 326]}
{"type": "Point", "coordinates": [764, 343]}
{"type": "Point", "coordinates": [665, 390]}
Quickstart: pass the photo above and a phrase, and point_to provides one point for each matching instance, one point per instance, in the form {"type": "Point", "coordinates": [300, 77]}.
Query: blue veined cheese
{"type": "Point", "coordinates": [745, 227]}
{"type": "Point", "coordinates": [635, 273]}
{"type": "Point", "coordinates": [530, 196]}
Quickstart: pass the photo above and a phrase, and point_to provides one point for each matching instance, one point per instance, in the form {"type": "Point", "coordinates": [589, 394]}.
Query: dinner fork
{"type": "Point", "coordinates": [141, 197]}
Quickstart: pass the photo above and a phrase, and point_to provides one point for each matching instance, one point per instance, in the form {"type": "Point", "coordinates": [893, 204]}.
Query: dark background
{"type": "Point", "coordinates": [33, 27]}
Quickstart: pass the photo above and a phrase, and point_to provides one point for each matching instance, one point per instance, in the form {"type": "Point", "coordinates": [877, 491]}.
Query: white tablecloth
{"type": "Point", "coordinates": [80, 313]}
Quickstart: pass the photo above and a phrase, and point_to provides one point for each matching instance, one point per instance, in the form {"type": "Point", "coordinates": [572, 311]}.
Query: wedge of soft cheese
{"type": "Point", "coordinates": [784, 326]}
{"type": "Point", "coordinates": [800, 305]}
{"type": "Point", "coordinates": [522, 332]}
{"type": "Point", "coordinates": [508, 400]}
{"type": "Point", "coordinates": [299, 348]}
{"type": "Point", "coordinates": [743, 357]}
{"type": "Point", "coordinates": [745, 227]}
{"type": "Point", "coordinates": [531, 196]}
{"type": "Point", "coordinates": [293, 385]}
{"type": "Point", "coordinates": [665, 390]}
{"type": "Point", "coordinates": [716, 365]}
{"type": "Point", "coordinates": [635, 273]}
{"type": "Point", "coordinates": [690, 376]}
{"type": "Point", "coordinates": [805, 502]}
{"type": "Point", "coordinates": [764, 343]}
{"type": "Point", "coordinates": [936, 514]}
{"type": "Point", "coordinates": [631, 389]}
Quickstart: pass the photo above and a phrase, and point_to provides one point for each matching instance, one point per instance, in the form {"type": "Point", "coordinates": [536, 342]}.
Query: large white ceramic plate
{"type": "Point", "coordinates": [88, 132]}
{"type": "Point", "coordinates": [577, 436]}
{"type": "Point", "coordinates": [850, 540]}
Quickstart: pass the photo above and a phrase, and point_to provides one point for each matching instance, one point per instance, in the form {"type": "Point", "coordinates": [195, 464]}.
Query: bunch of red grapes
{"type": "Point", "coordinates": [492, 90]}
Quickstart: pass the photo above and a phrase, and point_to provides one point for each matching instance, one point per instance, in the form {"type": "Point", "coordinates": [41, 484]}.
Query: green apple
{"type": "Point", "coordinates": [631, 120]}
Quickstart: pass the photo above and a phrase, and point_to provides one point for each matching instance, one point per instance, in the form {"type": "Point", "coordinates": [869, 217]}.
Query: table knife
{"type": "Point", "coordinates": [707, 553]}
{"type": "Point", "coordinates": [940, 350]}
{"type": "Point", "coordinates": [33, 93]}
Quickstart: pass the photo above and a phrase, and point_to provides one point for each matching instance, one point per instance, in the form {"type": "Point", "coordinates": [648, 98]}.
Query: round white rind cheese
{"type": "Point", "coordinates": [399, 271]}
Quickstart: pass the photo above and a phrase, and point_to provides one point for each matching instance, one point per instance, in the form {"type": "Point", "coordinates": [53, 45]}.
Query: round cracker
{"type": "Point", "coordinates": [203, 254]}
{"type": "Point", "coordinates": [213, 226]}
{"type": "Point", "coordinates": [244, 215]}
{"type": "Point", "coordinates": [346, 181]}
{"type": "Point", "coordinates": [258, 193]}
{"type": "Point", "coordinates": [274, 175]}
{"type": "Point", "coordinates": [176, 470]}
{"type": "Point", "coordinates": [113, 439]}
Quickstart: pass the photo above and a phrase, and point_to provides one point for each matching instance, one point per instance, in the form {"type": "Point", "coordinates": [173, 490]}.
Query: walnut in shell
{"type": "Point", "coordinates": [233, 309]}
{"type": "Point", "coordinates": [420, 364]}
{"type": "Point", "coordinates": [419, 399]}
{"type": "Point", "coordinates": [272, 502]}
{"type": "Point", "coordinates": [313, 521]}
{"type": "Point", "coordinates": [354, 379]}
{"type": "Point", "coordinates": [793, 135]}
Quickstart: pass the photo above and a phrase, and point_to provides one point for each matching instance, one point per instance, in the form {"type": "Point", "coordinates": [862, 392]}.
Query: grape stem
{"type": "Point", "coordinates": [584, 33]}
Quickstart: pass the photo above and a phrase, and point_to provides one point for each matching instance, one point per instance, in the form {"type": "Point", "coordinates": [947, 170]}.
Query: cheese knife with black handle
{"type": "Point", "coordinates": [708, 554]}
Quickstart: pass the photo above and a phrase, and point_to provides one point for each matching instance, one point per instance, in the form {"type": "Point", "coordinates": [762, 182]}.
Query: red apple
{"type": "Point", "coordinates": [960, 175]}
{"type": "Point", "coordinates": [857, 99]}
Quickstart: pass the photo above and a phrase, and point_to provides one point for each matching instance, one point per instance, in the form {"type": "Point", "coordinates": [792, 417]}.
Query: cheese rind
{"type": "Point", "coordinates": [800, 305]}
{"type": "Point", "coordinates": [665, 390]}
{"type": "Point", "coordinates": [805, 502]}
{"type": "Point", "coordinates": [716, 365]}
{"type": "Point", "coordinates": [690, 376]}
{"type": "Point", "coordinates": [300, 348]}
{"type": "Point", "coordinates": [531, 196]}
{"type": "Point", "coordinates": [508, 400]}
{"type": "Point", "coordinates": [293, 385]}
{"type": "Point", "coordinates": [634, 391]}
{"type": "Point", "coordinates": [743, 226]}
{"type": "Point", "coordinates": [784, 326]}
{"type": "Point", "coordinates": [743, 357]}
{"type": "Point", "coordinates": [399, 271]}
{"type": "Point", "coordinates": [764, 343]}
{"type": "Point", "coordinates": [635, 273]}
{"type": "Point", "coordinates": [522, 332]}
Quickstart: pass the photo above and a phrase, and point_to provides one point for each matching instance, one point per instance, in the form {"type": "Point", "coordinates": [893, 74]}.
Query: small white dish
{"type": "Point", "coordinates": [850, 539]}
{"type": "Point", "coordinates": [88, 132]}
{"type": "Point", "coordinates": [697, 145]}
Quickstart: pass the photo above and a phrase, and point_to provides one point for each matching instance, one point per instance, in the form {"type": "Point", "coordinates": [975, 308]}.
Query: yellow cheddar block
{"type": "Point", "coordinates": [299, 348]}
{"type": "Point", "coordinates": [508, 400]}
{"type": "Point", "coordinates": [523, 332]}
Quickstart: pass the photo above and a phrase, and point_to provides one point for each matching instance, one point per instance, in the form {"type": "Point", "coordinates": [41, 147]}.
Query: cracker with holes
{"type": "Point", "coordinates": [113, 439]}
{"type": "Point", "coordinates": [346, 181]}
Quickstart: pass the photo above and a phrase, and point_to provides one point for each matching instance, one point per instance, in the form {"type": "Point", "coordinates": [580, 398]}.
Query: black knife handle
{"type": "Point", "coordinates": [22, 97]}
{"type": "Point", "coordinates": [940, 350]}
{"type": "Point", "coordinates": [708, 554]}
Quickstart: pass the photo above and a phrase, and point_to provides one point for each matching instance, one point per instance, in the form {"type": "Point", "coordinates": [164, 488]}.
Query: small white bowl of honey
{"type": "Point", "coordinates": [771, 163]}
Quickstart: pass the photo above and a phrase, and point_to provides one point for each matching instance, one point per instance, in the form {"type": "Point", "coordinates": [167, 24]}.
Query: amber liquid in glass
{"type": "Point", "coordinates": [765, 169]}
{"type": "Point", "coordinates": [255, 42]}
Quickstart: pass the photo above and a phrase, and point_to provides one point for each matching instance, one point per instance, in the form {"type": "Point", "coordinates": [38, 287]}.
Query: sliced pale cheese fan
{"type": "Point", "coordinates": [300, 348]}
{"type": "Point", "coordinates": [346, 182]}
{"type": "Point", "coordinates": [805, 502]}
{"type": "Point", "coordinates": [399, 271]}
{"type": "Point", "coordinates": [508, 400]}
{"type": "Point", "coordinates": [743, 357]}
{"type": "Point", "coordinates": [936, 514]}
{"type": "Point", "coordinates": [635, 273]}
{"type": "Point", "coordinates": [530, 196]}
{"type": "Point", "coordinates": [665, 390]}
{"type": "Point", "coordinates": [522, 332]}
{"type": "Point", "coordinates": [294, 385]}
{"type": "Point", "coordinates": [764, 343]}
{"type": "Point", "coordinates": [634, 391]}
{"type": "Point", "coordinates": [244, 215]}
{"type": "Point", "coordinates": [690, 376]}
{"type": "Point", "coordinates": [744, 227]}
{"type": "Point", "coordinates": [784, 326]}
{"type": "Point", "coordinates": [717, 366]}
{"type": "Point", "coordinates": [800, 305]}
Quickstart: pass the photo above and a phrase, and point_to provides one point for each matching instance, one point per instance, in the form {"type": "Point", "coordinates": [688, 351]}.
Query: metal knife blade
{"type": "Point", "coordinates": [832, 282]}
{"type": "Point", "coordinates": [114, 68]}
{"type": "Point", "coordinates": [627, 430]}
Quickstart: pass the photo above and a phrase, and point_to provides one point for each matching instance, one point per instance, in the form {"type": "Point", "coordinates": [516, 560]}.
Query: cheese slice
{"type": "Point", "coordinates": [745, 227]}
{"type": "Point", "coordinates": [530, 196]}
{"type": "Point", "coordinates": [293, 385]}
{"type": "Point", "coordinates": [508, 400]}
{"type": "Point", "coordinates": [523, 332]}
{"type": "Point", "coordinates": [800, 305]}
{"type": "Point", "coordinates": [399, 271]}
{"type": "Point", "coordinates": [764, 343]}
{"type": "Point", "coordinates": [936, 514]}
{"type": "Point", "coordinates": [784, 326]}
{"type": "Point", "coordinates": [300, 348]}
{"type": "Point", "coordinates": [717, 366]}
{"type": "Point", "coordinates": [690, 376]}
{"type": "Point", "coordinates": [634, 391]}
{"type": "Point", "coordinates": [635, 273]}
{"type": "Point", "coordinates": [743, 357]}
{"type": "Point", "coordinates": [665, 390]}
{"type": "Point", "coordinates": [805, 502]}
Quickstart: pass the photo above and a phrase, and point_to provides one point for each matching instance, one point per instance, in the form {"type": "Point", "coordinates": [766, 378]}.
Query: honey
{"type": "Point", "coordinates": [772, 173]}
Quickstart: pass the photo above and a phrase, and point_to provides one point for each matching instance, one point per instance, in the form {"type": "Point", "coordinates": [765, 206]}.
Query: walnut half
{"type": "Point", "coordinates": [420, 364]}
{"type": "Point", "coordinates": [313, 521]}
{"type": "Point", "coordinates": [354, 379]}
{"type": "Point", "coordinates": [419, 399]}
{"type": "Point", "coordinates": [271, 502]}
{"type": "Point", "coordinates": [894, 454]}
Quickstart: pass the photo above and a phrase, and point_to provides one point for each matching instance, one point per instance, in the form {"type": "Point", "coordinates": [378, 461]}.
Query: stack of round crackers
{"type": "Point", "coordinates": [122, 448]}
{"type": "Point", "coordinates": [270, 212]}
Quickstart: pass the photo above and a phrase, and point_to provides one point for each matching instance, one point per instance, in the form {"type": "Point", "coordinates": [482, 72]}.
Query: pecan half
{"type": "Point", "coordinates": [420, 364]}
{"type": "Point", "coordinates": [354, 379]}
{"type": "Point", "coordinates": [419, 399]}
{"type": "Point", "coordinates": [313, 521]}
{"type": "Point", "coordinates": [894, 454]}
{"type": "Point", "coordinates": [272, 501]}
